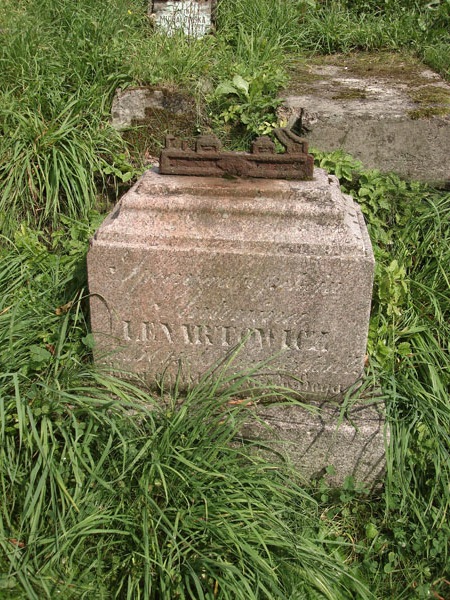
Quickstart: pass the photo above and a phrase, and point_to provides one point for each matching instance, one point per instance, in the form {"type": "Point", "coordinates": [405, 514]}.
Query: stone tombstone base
{"type": "Point", "coordinates": [185, 268]}
{"type": "Point", "coordinates": [322, 445]}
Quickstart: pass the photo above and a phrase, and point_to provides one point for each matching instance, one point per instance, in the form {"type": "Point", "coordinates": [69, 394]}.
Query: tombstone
{"type": "Point", "coordinates": [145, 114]}
{"type": "Point", "coordinates": [222, 248]}
{"type": "Point", "coordinates": [194, 17]}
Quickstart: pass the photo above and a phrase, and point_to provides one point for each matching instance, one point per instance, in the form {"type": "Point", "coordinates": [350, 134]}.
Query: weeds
{"type": "Point", "coordinates": [59, 71]}
{"type": "Point", "coordinates": [50, 167]}
{"type": "Point", "coordinates": [246, 108]}
{"type": "Point", "coordinates": [155, 506]}
{"type": "Point", "coordinates": [409, 338]}
{"type": "Point", "coordinates": [110, 491]}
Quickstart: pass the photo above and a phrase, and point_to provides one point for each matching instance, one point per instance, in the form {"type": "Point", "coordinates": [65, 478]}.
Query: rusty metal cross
{"type": "Point", "coordinates": [208, 159]}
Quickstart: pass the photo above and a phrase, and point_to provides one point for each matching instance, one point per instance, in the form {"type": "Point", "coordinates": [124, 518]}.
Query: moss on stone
{"type": "Point", "coordinates": [350, 94]}
{"type": "Point", "coordinates": [432, 100]}
{"type": "Point", "coordinates": [426, 112]}
{"type": "Point", "coordinates": [402, 70]}
{"type": "Point", "coordinates": [301, 76]}
{"type": "Point", "coordinates": [179, 116]}
{"type": "Point", "coordinates": [432, 94]}
{"type": "Point", "coordinates": [397, 67]}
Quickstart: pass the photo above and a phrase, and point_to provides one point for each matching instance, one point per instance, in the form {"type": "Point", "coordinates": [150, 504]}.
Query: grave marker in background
{"type": "Point", "coordinates": [194, 17]}
{"type": "Point", "coordinates": [386, 109]}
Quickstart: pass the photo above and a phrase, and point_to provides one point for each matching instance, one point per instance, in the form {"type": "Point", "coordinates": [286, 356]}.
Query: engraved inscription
{"type": "Point", "coordinates": [300, 340]}
{"type": "Point", "coordinates": [320, 388]}
{"type": "Point", "coordinates": [197, 335]}
{"type": "Point", "coordinates": [167, 330]}
{"type": "Point", "coordinates": [191, 334]}
{"type": "Point", "coordinates": [303, 383]}
{"type": "Point", "coordinates": [193, 17]}
{"type": "Point", "coordinates": [147, 332]}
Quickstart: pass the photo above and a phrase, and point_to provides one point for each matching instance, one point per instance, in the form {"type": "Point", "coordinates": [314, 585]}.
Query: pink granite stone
{"type": "Point", "coordinates": [185, 268]}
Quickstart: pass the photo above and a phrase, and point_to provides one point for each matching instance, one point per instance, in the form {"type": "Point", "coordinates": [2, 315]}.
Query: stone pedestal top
{"type": "Point", "coordinates": [238, 216]}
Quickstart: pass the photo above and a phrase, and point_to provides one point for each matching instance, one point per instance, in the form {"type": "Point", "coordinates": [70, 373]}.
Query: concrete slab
{"type": "Point", "coordinates": [388, 111]}
{"type": "Point", "coordinates": [139, 105]}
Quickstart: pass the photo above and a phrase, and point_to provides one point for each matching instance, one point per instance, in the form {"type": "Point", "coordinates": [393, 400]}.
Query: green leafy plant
{"type": "Point", "coordinates": [248, 104]}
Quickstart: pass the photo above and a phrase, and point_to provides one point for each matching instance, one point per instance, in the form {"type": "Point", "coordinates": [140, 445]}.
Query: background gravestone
{"type": "Point", "coordinates": [146, 114]}
{"type": "Point", "coordinates": [194, 17]}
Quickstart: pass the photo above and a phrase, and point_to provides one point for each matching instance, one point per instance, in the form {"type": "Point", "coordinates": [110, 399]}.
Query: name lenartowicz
{"type": "Point", "coordinates": [272, 337]}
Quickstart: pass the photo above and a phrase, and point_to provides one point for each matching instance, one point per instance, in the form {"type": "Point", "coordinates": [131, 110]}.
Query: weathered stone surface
{"type": "Point", "coordinates": [193, 17]}
{"type": "Point", "coordinates": [145, 115]}
{"type": "Point", "coordinates": [318, 437]}
{"type": "Point", "coordinates": [394, 116]}
{"type": "Point", "coordinates": [208, 159]}
{"type": "Point", "coordinates": [186, 267]}
{"type": "Point", "coordinates": [138, 105]}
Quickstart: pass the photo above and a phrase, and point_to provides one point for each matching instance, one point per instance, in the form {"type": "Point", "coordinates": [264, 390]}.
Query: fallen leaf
{"type": "Point", "coordinates": [17, 543]}
{"type": "Point", "coordinates": [61, 310]}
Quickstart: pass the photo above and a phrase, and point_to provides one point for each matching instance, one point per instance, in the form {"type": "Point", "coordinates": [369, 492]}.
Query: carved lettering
{"type": "Point", "coordinates": [259, 337]}
{"type": "Point", "coordinates": [320, 388]}
{"type": "Point", "coordinates": [190, 15]}
{"type": "Point", "coordinates": [313, 341]}
{"type": "Point", "coordinates": [196, 335]}
{"type": "Point", "coordinates": [288, 341]}
{"type": "Point", "coordinates": [208, 335]}
{"type": "Point", "coordinates": [142, 333]}
{"type": "Point", "coordinates": [309, 341]}
{"type": "Point", "coordinates": [167, 330]}
{"type": "Point", "coordinates": [227, 336]}
{"type": "Point", "coordinates": [192, 334]}
{"type": "Point", "coordinates": [126, 331]}
{"type": "Point", "coordinates": [146, 332]}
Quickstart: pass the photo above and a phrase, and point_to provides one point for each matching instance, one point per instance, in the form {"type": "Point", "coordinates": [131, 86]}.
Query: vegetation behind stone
{"type": "Point", "coordinates": [111, 492]}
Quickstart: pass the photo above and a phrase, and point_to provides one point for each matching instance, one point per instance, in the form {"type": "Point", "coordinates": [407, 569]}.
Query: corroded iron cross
{"type": "Point", "coordinates": [208, 159]}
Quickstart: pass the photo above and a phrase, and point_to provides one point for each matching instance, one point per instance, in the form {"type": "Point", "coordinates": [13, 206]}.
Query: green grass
{"type": "Point", "coordinates": [409, 343]}
{"type": "Point", "coordinates": [109, 491]}
{"type": "Point", "coordinates": [63, 61]}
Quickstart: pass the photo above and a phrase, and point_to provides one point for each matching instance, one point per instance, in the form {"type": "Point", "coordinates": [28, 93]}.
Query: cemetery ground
{"type": "Point", "coordinates": [105, 491]}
